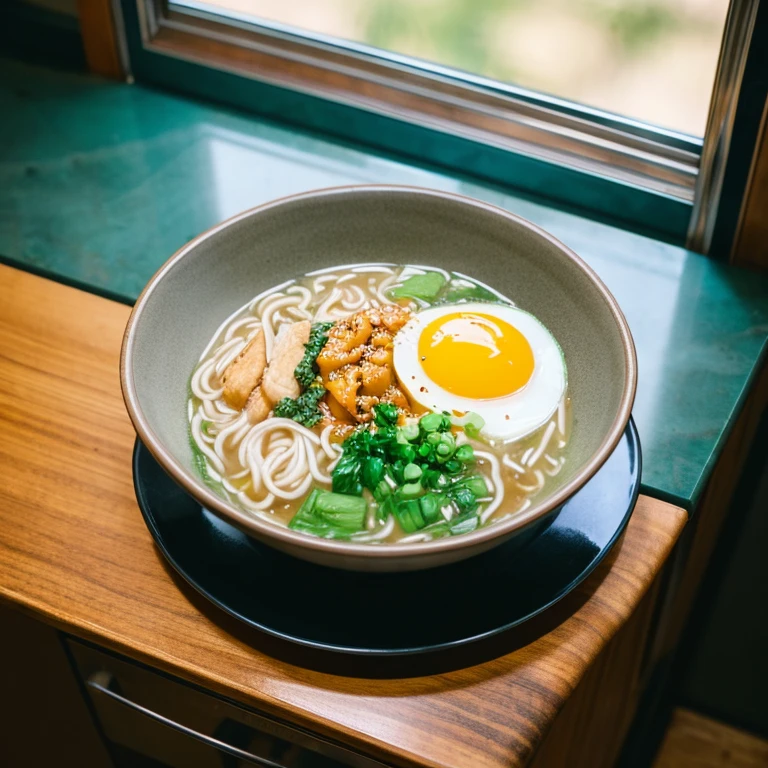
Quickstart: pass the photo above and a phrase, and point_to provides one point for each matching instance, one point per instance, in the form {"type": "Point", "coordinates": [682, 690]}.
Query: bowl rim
{"type": "Point", "coordinates": [269, 531]}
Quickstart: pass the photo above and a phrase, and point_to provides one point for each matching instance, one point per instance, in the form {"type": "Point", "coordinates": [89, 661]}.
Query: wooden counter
{"type": "Point", "coordinates": [74, 552]}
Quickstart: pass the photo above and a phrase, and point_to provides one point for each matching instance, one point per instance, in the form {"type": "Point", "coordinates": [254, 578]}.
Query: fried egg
{"type": "Point", "coordinates": [495, 360]}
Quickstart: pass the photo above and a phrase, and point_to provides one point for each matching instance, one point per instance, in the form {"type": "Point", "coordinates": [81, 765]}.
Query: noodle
{"type": "Point", "coordinates": [536, 455]}
{"type": "Point", "coordinates": [498, 485]}
{"type": "Point", "coordinates": [268, 468]}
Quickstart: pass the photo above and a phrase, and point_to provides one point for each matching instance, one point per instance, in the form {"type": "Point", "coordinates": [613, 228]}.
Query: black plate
{"type": "Point", "coordinates": [390, 613]}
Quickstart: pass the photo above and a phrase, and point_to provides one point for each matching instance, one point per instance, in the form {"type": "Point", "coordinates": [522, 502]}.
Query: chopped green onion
{"type": "Point", "coordinates": [386, 507]}
{"type": "Point", "coordinates": [453, 466]}
{"type": "Point", "coordinates": [430, 507]}
{"type": "Point", "coordinates": [403, 516]}
{"type": "Point", "coordinates": [476, 484]}
{"type": "Point", "coordinates": [474, 424]}
{"type": "Point", "coordinates": [412, 472]}
{"type": "Point", "coordinates": [409, 431]}
{"type": "Point", "coordinates": [385, 414]}
{"type": "Point", "coordinates": [382, 491]}
{"type": "Point", "coordinates": [414, 510]}
{"type": "Point", "coordinates": [465, 453]}
{"type": "Point", "coordinates": [431, 422]}
{"type": "Point", "coordinates": [411, 490]}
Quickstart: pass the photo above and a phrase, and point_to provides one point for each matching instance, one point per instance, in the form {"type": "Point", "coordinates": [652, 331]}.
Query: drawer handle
{"type": "Point", "coordinates": [103, 682]}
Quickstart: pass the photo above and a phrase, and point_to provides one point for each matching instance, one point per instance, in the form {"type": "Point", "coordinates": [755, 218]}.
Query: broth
{"type": "Point", "coordinates": [268, 468]}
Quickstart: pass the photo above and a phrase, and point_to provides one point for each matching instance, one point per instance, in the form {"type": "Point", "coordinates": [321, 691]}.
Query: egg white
{"type": "Point", "coordinates": [507, 418]}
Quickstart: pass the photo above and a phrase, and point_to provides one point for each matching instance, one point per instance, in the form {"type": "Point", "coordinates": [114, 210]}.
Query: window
{"type": "Point", "coordinates": [602, 106]}
{"type": "Point", "coordinates": [651, 60]}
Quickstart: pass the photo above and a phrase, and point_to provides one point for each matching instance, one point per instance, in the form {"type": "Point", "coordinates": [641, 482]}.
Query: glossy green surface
{"type": "Point", "coordinates": [101, 182]}
{"type": "Point", "coordinates": [623, 204]}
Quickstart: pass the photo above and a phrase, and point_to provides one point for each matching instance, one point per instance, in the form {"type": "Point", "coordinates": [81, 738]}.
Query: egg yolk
{"type": "Point", "coordinates": [475, 355]}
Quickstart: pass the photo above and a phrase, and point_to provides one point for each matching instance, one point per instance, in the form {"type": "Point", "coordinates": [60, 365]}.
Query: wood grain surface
{"type": "Point", "coordinates": [750, 245]}
{"type": "Point", "coordinates": [695, 741]}
{"type": "Point", "coordinates": [101, 39]}
{"type": "Point", "coordinates": [75, 552]}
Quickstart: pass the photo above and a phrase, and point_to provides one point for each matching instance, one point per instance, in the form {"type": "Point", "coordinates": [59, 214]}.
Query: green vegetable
{"type": "Point", "coordinates": [409, 515]}
{"type": "Point", "coordinates": [382, 457]}
{"type": "Point", "coordinates": [304, 408]}
{"type": "Point", "coordinates": [465, 453]}
{"type": "Point", "coordinates": [464, 499]}
{"type": "Point", "coordinates": [474, 483]}
{"type": "Point", "coordinates": [306, 370]}
{"type": "Point", "coordinates": [373, 471]}
{"type": "Point", "coordinates": [382, 491]}
{"type": "Point", "coordinates": [412, 472]}
{"type": "Point", "coordinates": [460, 524]}
{"type": "Point", "coordinates": [458, 290]}
{"type": "Point", "coordinates": [430, 507]}
{"type": "Point", "coordinates": [409, 432]}
{"type": "Point", "coordinates": [385, 414]}
{"type": "Point", "coordinates": [472, 423]}
{"type": "Point", "coordinates": [402, 515]}
{"type": "Point", "coordinates": [425, 287]}
{"type": "Point", "coordinates": [347, 475]}
{"type": "Point", "coordinates": [330, 515]}
{"type": "Point", "coordinates": [463, 524]}
{"type": "Point", "coordinates": [431, 422]}
{"type": "Point", "coordinates": [345, 510]}
{"type": "Point", "coordinates": [411, 490]}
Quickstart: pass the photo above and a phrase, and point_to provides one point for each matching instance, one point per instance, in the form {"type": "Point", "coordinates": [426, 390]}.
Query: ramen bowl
{"type": "Point", "coordinates": [224, 268]}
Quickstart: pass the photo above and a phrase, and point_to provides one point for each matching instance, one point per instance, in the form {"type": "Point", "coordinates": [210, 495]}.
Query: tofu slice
{"type": "Point", "coordinates": [279, 381]}
{"type": "Point", "coordinates": [243, 374]}
{"type": "Point", "coordinates": [258, 406]}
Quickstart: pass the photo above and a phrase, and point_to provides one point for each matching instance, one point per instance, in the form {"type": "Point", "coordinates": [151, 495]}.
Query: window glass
{"type": "Point", "coordinates": [653, 60]}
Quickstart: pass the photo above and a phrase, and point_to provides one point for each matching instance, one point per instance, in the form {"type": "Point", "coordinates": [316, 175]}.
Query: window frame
{"type": "Point", "coordinates": [651, 180]}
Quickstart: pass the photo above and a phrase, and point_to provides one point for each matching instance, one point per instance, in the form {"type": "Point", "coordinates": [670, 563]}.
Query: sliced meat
{"type": "Point", "coordinates": [395, 395]}
{"type": "Point", "coordinates": [356, 362]}
{"type": "Point", "coordinates": [393, 318]}
{"type": "Point", "coordinates": [381, 337]}
{"type": "Point", "coordinates": [243, 374]}
{"type": "Point", "coordinates": [258, 406]}
{"type": "Point", "coordinates": [279, 381]}
{"type": "Point", "coordinates": [336, 410]}
{"type": "Point", "coordinates": [380, 356]}
{"type": "Point", "coordinates": [343, 385]}
{"type": "Point", "coordinates": [332, 358]}
{"type": "Point", "coordinates": [376, 379]}
{"type": "Point", "coordinates": [350, 332]}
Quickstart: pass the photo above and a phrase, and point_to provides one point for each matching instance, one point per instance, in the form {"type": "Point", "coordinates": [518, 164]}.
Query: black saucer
{"type": "Point", "coordinates": [389, 614]}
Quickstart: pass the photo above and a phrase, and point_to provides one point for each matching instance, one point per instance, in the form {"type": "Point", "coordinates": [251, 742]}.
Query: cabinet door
{"type": "Point", "coordinates": [44, 720]}
{"type": "Point", "coordinates": [151, 719]}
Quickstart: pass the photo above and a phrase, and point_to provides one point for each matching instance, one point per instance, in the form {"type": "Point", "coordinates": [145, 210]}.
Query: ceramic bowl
{"type": "Point", "coordinates": [222, 269]}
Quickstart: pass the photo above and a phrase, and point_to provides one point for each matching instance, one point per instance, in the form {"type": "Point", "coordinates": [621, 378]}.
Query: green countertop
{"type": "Point", "coordinates": [101, 182]}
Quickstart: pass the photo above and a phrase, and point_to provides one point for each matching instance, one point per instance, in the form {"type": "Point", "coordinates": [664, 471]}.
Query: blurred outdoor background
{"type": "Point", "coordinates": [653, 60]}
